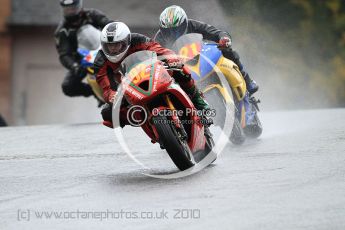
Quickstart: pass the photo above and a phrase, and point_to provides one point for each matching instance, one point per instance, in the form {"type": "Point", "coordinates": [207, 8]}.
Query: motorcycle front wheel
{"type": "Point", "coordinates": [177, 148]}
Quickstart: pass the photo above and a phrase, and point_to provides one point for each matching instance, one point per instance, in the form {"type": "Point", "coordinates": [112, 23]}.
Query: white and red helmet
{"type": "Point", "coordinates": [115, 41]}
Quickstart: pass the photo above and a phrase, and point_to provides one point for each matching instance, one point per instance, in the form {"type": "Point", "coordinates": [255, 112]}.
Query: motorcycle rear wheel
{"type": "Point", "coordinates": [237, 136]}
{"type": "Point", "coordinates": [254, 130]}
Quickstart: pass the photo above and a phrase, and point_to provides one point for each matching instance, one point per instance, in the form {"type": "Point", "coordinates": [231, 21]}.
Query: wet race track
{"type": "Point", "coordinates": [78, 177]}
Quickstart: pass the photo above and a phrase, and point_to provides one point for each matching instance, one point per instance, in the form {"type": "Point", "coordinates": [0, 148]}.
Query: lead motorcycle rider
{"type": "Point", "coordinates": [173, 23]}
{"type": "Point", "coordinates": [118, 43]}
{"type": "Point", "coordinates": [75, 16]}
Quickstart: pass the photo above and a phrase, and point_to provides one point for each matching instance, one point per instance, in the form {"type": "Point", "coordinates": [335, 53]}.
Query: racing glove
{"type": "Point", "coordinates": [174, 62]}
{"type": "Point", "coordinates": [78, 70]}
{"type": "Point", "coordinates": [224, 42]}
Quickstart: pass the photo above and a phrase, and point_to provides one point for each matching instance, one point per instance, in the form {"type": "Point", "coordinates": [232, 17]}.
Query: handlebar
{"type": "Point", "coordinates": [212, 44]}
{"type": "Point", "coordinates": [218, 46]}
{"type": "Point", "coordinates": [172, 68]}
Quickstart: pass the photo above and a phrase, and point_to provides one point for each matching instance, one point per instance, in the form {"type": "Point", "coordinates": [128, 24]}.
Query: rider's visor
{"type": "Point", "coordinates": [175, 32]}
{"type": "Point", "coordinates": [115, 48]}
{"type": "Point", "coordinates": [71, 10]}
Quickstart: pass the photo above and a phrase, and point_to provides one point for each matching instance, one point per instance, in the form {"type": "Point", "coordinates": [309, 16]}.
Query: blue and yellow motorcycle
{"type": "Point", "coordinates": [87, 59]}
{"type": "Point", "coordinates": [88, 46]}
{"type": "Point", "coordinates": [227, 94]}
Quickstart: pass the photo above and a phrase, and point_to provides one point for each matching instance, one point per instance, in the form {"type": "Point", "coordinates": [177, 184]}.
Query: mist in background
{"type": "Point", "coordinates": [294, 49]}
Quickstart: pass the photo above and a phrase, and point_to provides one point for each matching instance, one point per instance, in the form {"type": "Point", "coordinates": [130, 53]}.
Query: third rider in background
{"type": "Point", "coordinates": [75, 16]}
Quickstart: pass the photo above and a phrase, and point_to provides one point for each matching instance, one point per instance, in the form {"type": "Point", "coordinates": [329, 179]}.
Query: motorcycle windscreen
{"type": "Point", "coordinates": [188, 46]}
{"type": "Point", "coordinates": [138, 69]}
{"type": "Point", "coordinates": [142, 58]}
{"type": "Point", "coordinates": [89, 37]}
{"type": "Point", "coordinates": [199, 57]}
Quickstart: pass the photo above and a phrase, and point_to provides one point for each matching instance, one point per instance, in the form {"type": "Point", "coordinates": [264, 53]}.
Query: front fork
{"type": "Point", "coordinates": [175, 118]}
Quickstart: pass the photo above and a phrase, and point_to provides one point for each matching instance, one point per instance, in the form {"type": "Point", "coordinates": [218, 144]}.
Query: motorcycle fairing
{"type": "Point", "coordinates": [234, 76]}
{"type": "Point", "coordinates": [211, 57]}
{"type": "Point", "coordinates": [149, 75]}
{"type": "Point", "coordinates": [88, 57]}
{"type": "Point", "coordinates": [247, 114]}
{"type": "Point", "coordinates": [87, 60]}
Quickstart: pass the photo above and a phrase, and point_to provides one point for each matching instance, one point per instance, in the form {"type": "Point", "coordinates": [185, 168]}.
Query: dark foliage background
{"type": "Point", "coordinates": [294, 48]}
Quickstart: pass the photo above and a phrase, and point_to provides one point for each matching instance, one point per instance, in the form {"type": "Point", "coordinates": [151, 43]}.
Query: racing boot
{"type": "Point", "coordinates": [252, 87]}
{"type": "Point", "coordinates": [108, 124]}
{"type": "Point", "coordinates": [197, 98]}
{"type": "Point", "coordinates": [106, 115]}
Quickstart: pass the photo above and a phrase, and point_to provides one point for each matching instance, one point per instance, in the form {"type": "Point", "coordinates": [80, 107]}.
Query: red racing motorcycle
{"type": "Point", "coordinates": [166, 114]}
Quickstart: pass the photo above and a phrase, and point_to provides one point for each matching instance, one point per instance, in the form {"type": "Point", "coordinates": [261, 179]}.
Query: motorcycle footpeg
{"type": "Point", "coordinates": [254, 100]}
